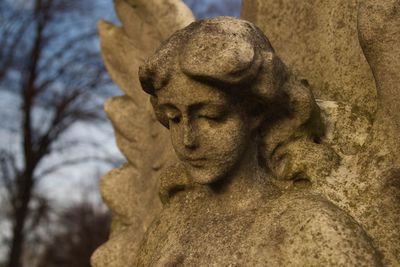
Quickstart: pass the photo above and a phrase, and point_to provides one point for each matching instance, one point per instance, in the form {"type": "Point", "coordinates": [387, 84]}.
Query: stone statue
{"type": "Point", "coordinates": [232, 107]}
{"type": "Point", "coordinates": [266, 174]}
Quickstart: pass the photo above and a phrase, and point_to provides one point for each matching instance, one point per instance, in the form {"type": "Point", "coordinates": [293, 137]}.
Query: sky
{"type": "Point", "coordinates": [211, 8]}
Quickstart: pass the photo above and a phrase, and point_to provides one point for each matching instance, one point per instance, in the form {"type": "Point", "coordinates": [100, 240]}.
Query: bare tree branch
{"type": "Point", "coordinates": [70, 162]}
{"type": "Point", "coordinates": [8, 47]}
{"type": "Point", "coordinates": [68, 45]}
{"type": "Point", "coordinates": [49, 57]}
{"type": "Point", "coordinates": [9, 171]}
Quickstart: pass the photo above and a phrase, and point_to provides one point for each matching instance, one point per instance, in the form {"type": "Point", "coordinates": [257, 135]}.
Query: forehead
{"type": "Point", "coordinates": [181, 90]}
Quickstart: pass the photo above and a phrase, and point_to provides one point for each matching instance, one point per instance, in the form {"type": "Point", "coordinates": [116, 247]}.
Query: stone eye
{"type": "Point", "coordinates": [172, 114]}
{"type": "Point", "coordinates": [212, 117]}
{"type": "Point", "coordinates": [173, 117]}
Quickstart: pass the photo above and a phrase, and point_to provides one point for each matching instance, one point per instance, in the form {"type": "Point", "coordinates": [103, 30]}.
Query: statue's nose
{"type": "Point", "coordinates": [189, 135]}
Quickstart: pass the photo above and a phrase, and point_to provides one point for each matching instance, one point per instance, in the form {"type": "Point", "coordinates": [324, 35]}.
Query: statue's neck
{"type": "Point", "coordinates": [247, 183]}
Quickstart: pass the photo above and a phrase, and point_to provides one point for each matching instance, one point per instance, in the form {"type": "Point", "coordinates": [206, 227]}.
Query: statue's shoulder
{"type": "Point", "coordinates": [305, 229]}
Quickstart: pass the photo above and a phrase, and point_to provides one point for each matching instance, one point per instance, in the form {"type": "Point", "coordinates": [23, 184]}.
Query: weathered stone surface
{"type": "Point", "coordinates": [349, 53]}
{"type": "Point", "coordinates": [319, 40]}
{"type": "Point", "coordinates": [294, 229]}
{"type": "Point", "coordinates": [133, 203]}
{"type": "Point", "coordinates": [379, 33]}
{"type": "Point", "coordinates": [254, 158]}
{"type": "Point", "coordinates": [267, 175]}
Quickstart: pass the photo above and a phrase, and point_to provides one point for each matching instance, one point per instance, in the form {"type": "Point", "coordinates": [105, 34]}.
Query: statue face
{"type": "Point", "coordinates": [209, 132]}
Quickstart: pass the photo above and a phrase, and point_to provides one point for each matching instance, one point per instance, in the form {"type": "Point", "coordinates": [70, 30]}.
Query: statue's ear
{"type": "Point", "coordinates": [158, 112]}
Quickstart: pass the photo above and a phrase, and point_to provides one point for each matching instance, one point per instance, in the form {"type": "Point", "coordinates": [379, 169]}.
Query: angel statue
{"type": "Point", "coordinates": [255, 162]}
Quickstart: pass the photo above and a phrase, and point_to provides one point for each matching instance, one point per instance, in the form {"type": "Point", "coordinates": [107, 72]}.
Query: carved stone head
{"type": "Point", "coordinates": [224, 95]}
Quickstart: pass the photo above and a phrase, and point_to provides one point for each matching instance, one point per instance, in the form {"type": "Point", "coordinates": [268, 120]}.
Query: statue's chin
{"type": "Point", "coordinates": [203, 174]}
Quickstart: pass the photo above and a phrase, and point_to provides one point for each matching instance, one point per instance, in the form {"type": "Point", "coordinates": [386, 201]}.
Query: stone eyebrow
{"type": "Point", "coordinates": [206, 104]}
{"type": "Point", "coordinates": [167, 105]}
{"type": "Point", "coordinates": [197, 106]}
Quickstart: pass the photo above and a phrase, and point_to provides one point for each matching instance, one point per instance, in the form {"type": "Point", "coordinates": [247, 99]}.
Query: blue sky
{"type": "Point", "coordinates": [212, 8]}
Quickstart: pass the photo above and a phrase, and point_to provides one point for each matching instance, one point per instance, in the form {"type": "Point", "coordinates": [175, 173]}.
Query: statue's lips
{"type": "Point", "coordinates": [195, 162]}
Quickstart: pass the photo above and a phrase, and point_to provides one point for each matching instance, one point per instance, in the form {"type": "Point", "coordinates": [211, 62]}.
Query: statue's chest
{"type": "Point", "coordinates": [194, 234]}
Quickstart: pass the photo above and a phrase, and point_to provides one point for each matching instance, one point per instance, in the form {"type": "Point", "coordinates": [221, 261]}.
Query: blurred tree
{"type": "Point", "coordinates": [49, 58]}
{"type": "Point", "coordinates": [81, 228]}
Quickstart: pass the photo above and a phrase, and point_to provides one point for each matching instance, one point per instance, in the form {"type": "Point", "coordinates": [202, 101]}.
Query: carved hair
{"type": "Point", "coordinates": [237, 58]}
